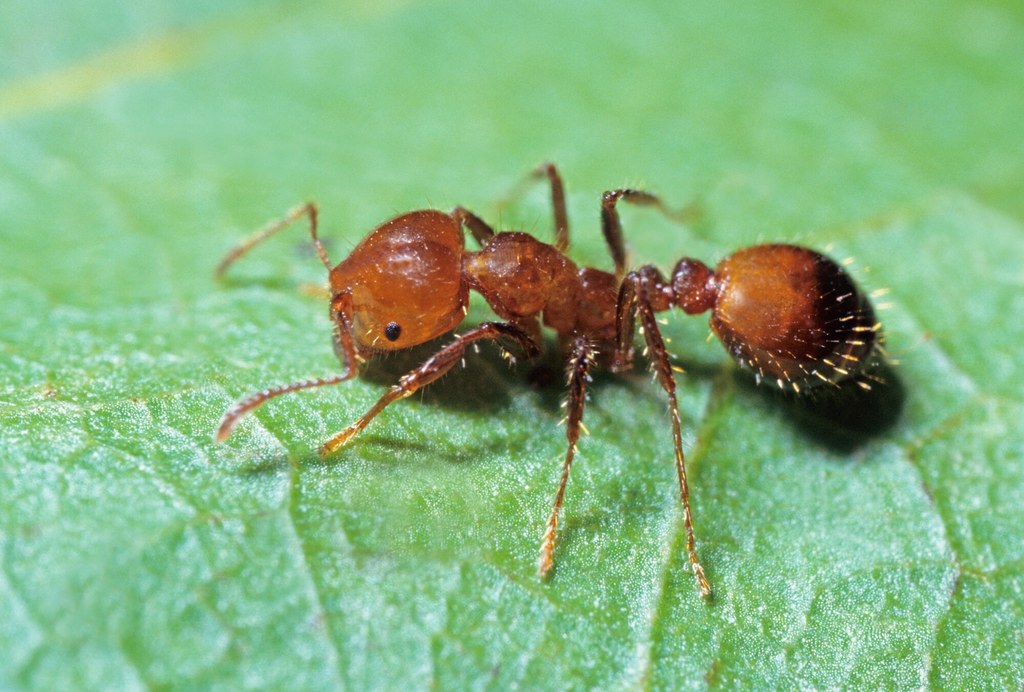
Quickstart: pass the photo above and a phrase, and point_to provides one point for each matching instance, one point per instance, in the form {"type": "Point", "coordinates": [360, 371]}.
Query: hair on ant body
{"type": "Point", "coordinates": [789, 314]}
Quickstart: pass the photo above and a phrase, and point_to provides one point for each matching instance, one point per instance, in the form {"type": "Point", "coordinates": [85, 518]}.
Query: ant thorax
{"type": "Point", "coordinates": [523, 278]}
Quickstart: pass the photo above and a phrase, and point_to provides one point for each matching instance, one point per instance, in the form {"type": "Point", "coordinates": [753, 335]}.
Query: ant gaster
{"type": "Point", "coordinates": [791, 315]}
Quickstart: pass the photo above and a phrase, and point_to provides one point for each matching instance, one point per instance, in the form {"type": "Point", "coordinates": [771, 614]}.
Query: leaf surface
{"type": "Point", "coordinates": [866, 543]}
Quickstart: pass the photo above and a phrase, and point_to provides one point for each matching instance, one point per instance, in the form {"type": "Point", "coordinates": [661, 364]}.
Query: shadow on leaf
{"type": "Point", "coordinates": [842, 418]}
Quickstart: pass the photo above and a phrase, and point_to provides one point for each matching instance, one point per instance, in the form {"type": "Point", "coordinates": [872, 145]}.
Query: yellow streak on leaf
{"type": "Point", "coordinates": [151, 56]}
{"type": "Point", "coordinates": [78, 82]}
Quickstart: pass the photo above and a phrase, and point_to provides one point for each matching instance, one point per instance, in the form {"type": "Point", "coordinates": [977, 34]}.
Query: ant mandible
{"type": "Point", "coordinates": [791, 315]}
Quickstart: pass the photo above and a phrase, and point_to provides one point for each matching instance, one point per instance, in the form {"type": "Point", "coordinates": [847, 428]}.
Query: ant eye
{"type": "Point", "coordinates": [392, 331]}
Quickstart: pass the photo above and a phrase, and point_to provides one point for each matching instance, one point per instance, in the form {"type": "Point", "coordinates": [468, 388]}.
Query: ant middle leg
{"type": "Point", "coordinates": [582, 358]}
{"type": "Point", "coordinates": [433, 368]}
{"type": "Point", "coordinates": [557, 203]}
{"type": "Point", "coordinates": [634, 299]}
{"type": "Point", "coordinates": [561, 217]}
{"type": "Point", "coordinates": [308, 209]}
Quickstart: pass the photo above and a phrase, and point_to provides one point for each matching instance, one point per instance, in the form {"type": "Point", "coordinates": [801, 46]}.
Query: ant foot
{"type": "Point", "coordinates": [340, 440]}
{"type": "Point", "coordinates": [547, 549]}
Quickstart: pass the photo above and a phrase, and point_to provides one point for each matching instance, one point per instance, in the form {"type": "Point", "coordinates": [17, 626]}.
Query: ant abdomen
{"type": "Point", "coordinates": [788, 313]}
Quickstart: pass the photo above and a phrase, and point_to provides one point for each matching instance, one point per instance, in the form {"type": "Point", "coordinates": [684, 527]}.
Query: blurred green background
{"type": "Point", "coordinates": [878, 544]}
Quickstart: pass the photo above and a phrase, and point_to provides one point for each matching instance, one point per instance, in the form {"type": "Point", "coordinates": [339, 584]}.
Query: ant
{"type": "Point", "coordinates": [791, 315]}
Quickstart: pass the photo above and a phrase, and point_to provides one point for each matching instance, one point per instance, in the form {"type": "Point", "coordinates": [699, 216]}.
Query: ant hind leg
{"type": "Point", "coordinates": [634, 299]}
{"type": "Point", "coordinates": [611, 226]}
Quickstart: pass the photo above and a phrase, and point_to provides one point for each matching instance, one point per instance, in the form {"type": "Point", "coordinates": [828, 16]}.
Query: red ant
{"type": "Point", "coordinates": [789, 314]}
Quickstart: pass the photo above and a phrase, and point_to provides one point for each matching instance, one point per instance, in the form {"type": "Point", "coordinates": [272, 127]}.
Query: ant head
{"type": "Point", "coordinates": [403, 284]}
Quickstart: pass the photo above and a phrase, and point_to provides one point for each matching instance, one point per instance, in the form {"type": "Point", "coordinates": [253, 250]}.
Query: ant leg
{"type": "Point", "coordinates": [612, 227]}
{"type": "Point", "coordinates": [480, 229]}
{"type": "Point", "coordinates": [308, 209]}
{"type": "Point", "coordinates": [582, 359]}
{"type": "Point", "coordinates": [433, 368]}
{"type": "Point", "coordinates": [557, 203]}
{"type": "Point", "coordinates": [625, 325]}
{"type": "Point", "coordinates": [549, 171]}
{"type": "Point", "coordinates": [638, 292]}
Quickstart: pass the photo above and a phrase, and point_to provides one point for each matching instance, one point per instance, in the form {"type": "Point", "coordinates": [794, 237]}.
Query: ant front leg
{"type": "Point", "coordinates": [579, 366]}
{"type": "Point", "coordinates": [433, 368]}
{"type": "Point", "coordinates": [480, 229]}
{"type": "Point", "coordinates": [635, 298]}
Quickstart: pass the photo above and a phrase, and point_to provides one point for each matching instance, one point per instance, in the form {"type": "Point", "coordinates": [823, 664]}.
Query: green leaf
{"type": "Point", "coordinates": [865, 544]}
